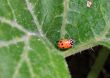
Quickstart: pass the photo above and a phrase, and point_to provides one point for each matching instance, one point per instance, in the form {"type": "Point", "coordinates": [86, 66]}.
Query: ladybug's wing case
{"type": "Point", "coordinates": [60, 44]}
{"type": "Point", "coordinates": [64, 44]}
{"type": "Point", "coordinates": [68, 44]}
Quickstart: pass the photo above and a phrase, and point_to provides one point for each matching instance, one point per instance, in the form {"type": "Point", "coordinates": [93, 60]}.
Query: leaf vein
{"type": "Point", "coordinates": [10, 42]}
{"type": "Point", "coordinates": [11, 9]}
{"type": "Point", "coordinates": [64, 21]}
{"type": "Point", "coordinates": [14, 24]}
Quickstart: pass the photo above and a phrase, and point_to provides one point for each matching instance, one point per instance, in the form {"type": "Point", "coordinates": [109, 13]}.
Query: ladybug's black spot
{"type": "Point", "coordinates": [60, 41]}
{"type": "Point", "coordinates": [62, 44]}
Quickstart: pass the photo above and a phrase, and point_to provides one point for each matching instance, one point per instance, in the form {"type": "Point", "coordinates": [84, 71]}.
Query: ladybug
{"type": "Point", "coordinates": [65, 43]}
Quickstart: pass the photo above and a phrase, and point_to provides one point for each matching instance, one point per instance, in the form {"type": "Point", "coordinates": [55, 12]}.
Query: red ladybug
{"type": "Point", "coordinates": [65, 43]}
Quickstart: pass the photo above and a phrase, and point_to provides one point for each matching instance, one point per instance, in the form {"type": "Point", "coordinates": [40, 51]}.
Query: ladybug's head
{"type": "Point", "coordinates": [71, 41]}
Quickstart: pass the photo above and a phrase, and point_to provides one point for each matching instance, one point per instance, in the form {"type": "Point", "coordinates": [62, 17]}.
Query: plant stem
{"type": "Point", "coordinates": [99, 63]}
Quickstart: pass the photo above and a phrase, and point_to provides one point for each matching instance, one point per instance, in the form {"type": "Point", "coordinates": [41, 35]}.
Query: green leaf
{"type": "Point", "coordinates": [25, 52]}
{"type": "Point", "coordinates": [99, 63]}
{"type": "Point", "coordinates": [87, 26]}
{"type": "Point", "coordinates": [29, 30]}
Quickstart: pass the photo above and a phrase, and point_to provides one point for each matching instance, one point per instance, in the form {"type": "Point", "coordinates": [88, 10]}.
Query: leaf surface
{"type": "Point", "coordinates": [25, 52]}
{"type": "Point", "coordinates": [29, 30]}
